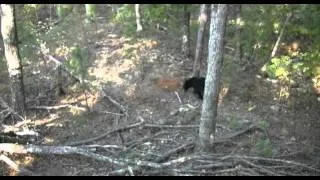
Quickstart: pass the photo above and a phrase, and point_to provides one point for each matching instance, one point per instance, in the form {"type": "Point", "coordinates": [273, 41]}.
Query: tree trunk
{"type": "Point", "coordinates": [185, 32]}
{"type": "Point", "coordinates": [10, 39]}
{"type": "Point", "coordinates": [202, 23]}
{"type": "Point", "coordinates": [63, 10]}
{"type": "Point", "coordinates": [90, 12]}
{"type": "Point", "coordinates": [276, 45]}
{"type": "Point", "coordinates": [238, 34]}
{"type": "Point", "coordinates": [138, 18]}
{"type": "Point", "coordinates": [212, 83]}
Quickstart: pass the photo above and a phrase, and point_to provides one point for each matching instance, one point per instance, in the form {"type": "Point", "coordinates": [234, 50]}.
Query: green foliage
{"type": "Point", "coordinates": [129, 30]}
{"type": "Point", "coordinates": [263, 147]}
{"type": "Point", "coordinates": [27, 36]}
{"type": "Point", "coordinates": [91, 12]}
{"type": "Point", "coordinates": [310, 65]}
{"type": "Point", "coordinates": [29, 12]}
{"type": "Point", "coordinates": [234, 122]}
{"type": "Point", "coordinates": [125, 14]}
{"type": "Point", "coordinates": [302, 28]}
{"type": "Point", "coordinates": [264, 124]}
{"type": "Point", "coordinates": [78, 62]}
{"type": "Point", "coordinates": [168, 15]}
{"type": "Point", "coordinates": [63, 10]}
{"type": "Point", "coordinates": [258, 28]}
{"type": "Point", "coordinates": [278, 67]}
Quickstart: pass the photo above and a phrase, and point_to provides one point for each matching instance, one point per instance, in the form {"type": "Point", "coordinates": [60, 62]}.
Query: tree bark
{"type": "Point", "coordinates": [239, 51]}
{"type": "Point", "coordinates": [212, 83]}
{"type": "Point", "coordinates": [276, 45]}
{"type": "Point", "coordinates": [202, 23]}
{"type": "Point", "coordinates": [10, 39]}
{"type": "Point", "coordinates": [63, 10]}
{"type": "Point", "coordinates": [186, 32]}
{"type": "Point", "coordinates": [138, 17]}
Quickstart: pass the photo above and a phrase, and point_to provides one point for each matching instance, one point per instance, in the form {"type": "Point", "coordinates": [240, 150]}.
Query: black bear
{"type": "Point", "coordinates": [197, 83]}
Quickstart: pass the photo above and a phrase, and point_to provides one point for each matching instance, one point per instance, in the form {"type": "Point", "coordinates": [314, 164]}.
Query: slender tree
{"type": "Point", "coordinates": [239, 50]}
{"type": "Point", "coordinates": [10, 39]}
{"type": "Point", "coordinates": [186, 31]}
{"type": "Point", "coordinates": [203, 17]}
{"type": "Point", "coordinates": [138, 17]}
{"type": "Point", "coordinates": [212, 83]}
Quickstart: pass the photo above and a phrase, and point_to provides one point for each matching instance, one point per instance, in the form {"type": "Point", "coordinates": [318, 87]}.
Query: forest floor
{"type": "Point", "coordinates": [125, 70]}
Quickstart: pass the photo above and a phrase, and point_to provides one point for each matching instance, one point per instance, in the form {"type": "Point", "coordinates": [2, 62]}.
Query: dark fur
{"type": "Point", "coordinates": [197, 83]}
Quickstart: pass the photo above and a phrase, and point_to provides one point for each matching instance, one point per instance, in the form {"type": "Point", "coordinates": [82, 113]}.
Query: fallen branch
{"type": "Point", "coordinates": [223, 139]}
{"type": "Point", "coordinates": [7, 114]}
{"type": "Point", "coordinates": [260, 168]}
{"type": "Point", "coordinates": [63, 150]}
{"type": "Point", "coordinates": [214, 165]}
{"type": "Point", "coordinates": [107, 133]}
{"type": "Point", "coordinates": [118, 105]}
{"type": "Point", "coordinates": [277, 161]}
{"type": "Point", "coordinates": [11, 130]}
{"type": "Point", "coordinates": [16, 167]}
{"type": "Point", "coordinates": [170, 126]}
{"type": "Point", "coordinates": [58, 107]}
{"type": "Point", "coordinates": [133, 143]}
{"type": "Point", "coordinates": [173, 151]}
{"type": "Point", "coordinates": [24, 149]}
{"type": "Point", "coordinates": [102, 146]}
{"type": "Point", "coordinates": [107, 112]}
{"type": "Point", "coordinates": [177, 126]}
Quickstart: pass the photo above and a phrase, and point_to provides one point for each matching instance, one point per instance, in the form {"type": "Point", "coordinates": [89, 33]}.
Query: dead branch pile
{"type": "Point", "coordinates": [129, 159]}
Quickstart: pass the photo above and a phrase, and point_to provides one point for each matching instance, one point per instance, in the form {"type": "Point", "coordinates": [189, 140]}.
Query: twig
{"type": "Point", "coordinates": [178, 96]}
{"type": "Point", "coordinates": [260, 168]}
{"type": "Point", "coordinates": [176, 150]}
{"type": "Point", "coordinates": [102, 146]}
{"type": "Point", "coordinates": [177, 126]}
{"type": "Point", "coordinates": [130, 171]}
{"type": "Point", "coordinates": [170, 126]}
{"type": "Point", "coordinates": [107, 112]}
{"type": "Point", "coordinates": [248, 172]}
{"type": "Point", "coordinates": [114, 102]}
{"type": "Point", "coordinates": [107, 133]}
{"type": "Point", "coordinates": [58, 107]}
{"type": "Point", "coordinates": [235, 169]}
{"type": "Point", "coordinates": [116, 122]}
{"type": "Point", "coordinates": [214, 165]}
{"type": "Point", "coordinates": [133, 143]}
{"type": "Point", "coordinates": [278, 161]}
{"type": "Point", "coordinates": [59, 63]}
{"type": "Point", "coordinates": [251, 127]}
{"type": "Point", "coordinates": [123, 171]}
{"type": "Point", "coordinates": [11, 111]}
{"type": "Point", "coordinates": [16, 167]}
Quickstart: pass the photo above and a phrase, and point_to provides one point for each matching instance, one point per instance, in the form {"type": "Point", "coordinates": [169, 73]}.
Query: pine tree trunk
{"type": "Point", "coordinates": [212, 83]}
{"type": "Point", "coordinates": [138, 18]}
{"type": "Point", "coordinates": [202, 23]}
{"type": "Point", "coordinates": [9, 35]}
{"type": "Point", "coordinates": [186, 32]}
